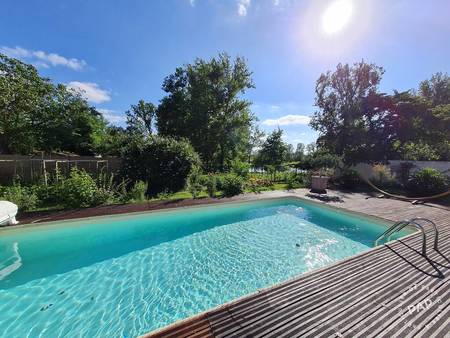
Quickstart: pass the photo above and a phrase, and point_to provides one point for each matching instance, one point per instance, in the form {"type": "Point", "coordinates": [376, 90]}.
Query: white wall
{"type": "Point", "coordinates": [442, 166]}
{"type": "Point", "coordinates": [365, 169]}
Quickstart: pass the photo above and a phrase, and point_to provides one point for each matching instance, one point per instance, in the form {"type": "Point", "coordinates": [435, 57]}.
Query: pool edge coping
{"type": "Point", "coordinates": [250, 199]}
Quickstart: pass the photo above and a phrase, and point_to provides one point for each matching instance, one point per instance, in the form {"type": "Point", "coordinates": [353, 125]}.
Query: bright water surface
{"type": "Point", "coordinates": [124, 276]}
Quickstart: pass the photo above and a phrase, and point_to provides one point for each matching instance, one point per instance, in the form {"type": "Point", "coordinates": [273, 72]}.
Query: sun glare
{"type": "Point", "coordinates": [337, 16]}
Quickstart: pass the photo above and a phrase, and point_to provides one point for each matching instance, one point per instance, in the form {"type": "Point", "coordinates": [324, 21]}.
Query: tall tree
{"type": "Point", "coordinates": [36, 115]}
{"type": "Point", "coordinates": [340, 118]}
{"type": "Point", "coordinates": [140, 118]}
{"type": "Point", "coordinates": [360, 124]}
{"type": "Point", "coordinates": [311, 148]}
{"type": "Point", "coordinates": [255, 140]}
{"type": "Point", "coordinates": [290, 153]}
{"type": "Point", "coordinates": [204, 105]}
{"type": "Point", "coordinates": [273, 150]}
{"type": "Point", "coordinates": [23, 95]}
{"type": "Point", "coordinates": [436, 89]}
{"type": "Point", "coordinates": [299, 152]}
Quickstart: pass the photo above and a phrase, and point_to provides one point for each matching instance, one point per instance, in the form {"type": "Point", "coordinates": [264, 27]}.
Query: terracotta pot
{"type": "Point", "coordinates": [319, 184]}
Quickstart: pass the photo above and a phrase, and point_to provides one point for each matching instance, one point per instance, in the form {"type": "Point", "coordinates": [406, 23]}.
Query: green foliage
{"type": "Point", "coordinates": [203, 105]}
{"type": "Point", "coordinates": [137, 192]}
{"type": "Point", "coordinates": [255, 140]}
{"type": "Point", "coordinates": [140, 118]}
{"type": "Point", "coordinates": [357, 122]}
{"type": "Point", "coordinates": [164, 163]}
{"type": "Point", "coordinates": [289, 156]}
{"type": "Point", "coordinates": [232, 185]}
{"type": "Point", "coordinates": [109, 190]}
{"type": "Point", "coordinates": [419, 152]}
{"type": "Point", "coordinates": [194, 182]}
{"type": "Point", "coordinates": [341, 119]}
{"type": "Point", "coordinates": [78, 190]}
{"type": "Point", "coordinates": [427, 182]}
{"type": "Point", "coordinates": [349, 179]}
{"type": "Point", "coordinates": [258, 184]}
{"type": "Point", "coordinates": [273, 150]}
{"type": "Point", "coordinates": [240, 168]}
{"type": "Point", "coordinates": [299, 152]}
{"type": "Point", "coordinates": [25, 198]}
{"type": "Point", "coordinates": [436, 89]}
{"type": "Point", "coordinates": [323, 160]}
{"type": "Point", "coordinates": [163, 195]}
{"type": "Point", "coordinates": [404, 171]}
{"type": "Point", "coordinates": [304, 164]}
{"type": "Point", "coordinates": [47, 194]}
{"type": "Point", "coordinates": [211, 185]}
{"type": "Point", "coordinates": [38, 115]}
{"type": "Point", "coordinates": [294, 181]}
{"type": "Point", "coordinates": [382, 175]}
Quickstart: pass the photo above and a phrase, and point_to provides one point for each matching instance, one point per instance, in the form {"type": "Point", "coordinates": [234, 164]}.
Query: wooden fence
{"type": "Point", "coordinates": [33, 168]}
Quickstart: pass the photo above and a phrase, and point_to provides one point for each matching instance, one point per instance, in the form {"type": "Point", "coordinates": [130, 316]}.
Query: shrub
{"type": "Point", "coordinates": [349, 179]}
{"type": "Point", "coordinates": [271, 171]}
{"type": "Point", "coordinates": [240, 168]}
{"type": "Point", "coordinates": [382, 175]}
{"type": "Point", "coordinates": [25, 198]}
{"type": "Point", "coordinates": [164, 163]}
{"type": "Point", "coordinates": [219, 181]}
{"type": "Point", "coordinates": [211, 185]}
{"type": "Point", "coordinates": [163, 195]}
{"type": "Point", "coordinates": [194, 184]}
{"type": "Point", "coordinates": [427, 182]}
{"type": "Point", "coordinates": [232, 185]}
{"type": "Point", "coordinates": [108, 191]}
{"type": "Point", "coordinates": [47, 194]}
{"type": "Point", "coordinates": [404, 171]}
{"type": "Point", "coordinates": [78, 190]}
{"type": "Point", "coordinates": [294, 181]}
{"type": "Point", "coordinates": [103, 197]}
{"type": "Point", "coordinates": [137, 192]}
{"type": "Point", "coordinates": [256, 184]}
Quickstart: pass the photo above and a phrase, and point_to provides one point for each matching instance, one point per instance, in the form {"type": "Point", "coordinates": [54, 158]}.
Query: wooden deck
{"type": "Point", "coordinates": [390, 291]}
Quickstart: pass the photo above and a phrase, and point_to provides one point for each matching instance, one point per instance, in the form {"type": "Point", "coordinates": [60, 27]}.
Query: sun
{"type": "Point", "coordinates": [337, 16]}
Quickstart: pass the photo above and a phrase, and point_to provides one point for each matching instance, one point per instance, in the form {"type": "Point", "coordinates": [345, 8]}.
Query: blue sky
{"type": "Point", "coordinates": [120, 51]}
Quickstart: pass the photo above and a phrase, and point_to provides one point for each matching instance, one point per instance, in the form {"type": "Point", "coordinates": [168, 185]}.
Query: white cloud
{"type": "Point", "coordinates": [288, 120]}
{"type": "Point", "coordinates": [43, 59]}
{"type": "Point", "coordinates": [243, 6]}
{"type": "Point", "coordinates": [274, 108]}
{"type": "Point", "coordinates": [90, 91]}
{"type": "Point", "coordinates": [192, 3]}
{"type": "Point", "coordinates": [111, 116]}
{"type": "Point", "coordinates": [276, 2]}
{"type": "Point", "coordinates": [16, 52]}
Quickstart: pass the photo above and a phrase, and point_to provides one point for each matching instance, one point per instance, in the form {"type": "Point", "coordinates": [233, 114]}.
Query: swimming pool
{"type": "Point", "coordinates": [123, 276]}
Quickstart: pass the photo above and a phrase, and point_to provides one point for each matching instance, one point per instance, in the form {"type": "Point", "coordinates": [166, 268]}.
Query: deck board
{"type": "Point", "coordinates": [390, 291]}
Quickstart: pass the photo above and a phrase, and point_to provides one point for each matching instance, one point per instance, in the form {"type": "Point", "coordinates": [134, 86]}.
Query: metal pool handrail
{"type": "Point", "coordinates": [398, 226]}
{"type": "Point", "coordinates": [436, 231]}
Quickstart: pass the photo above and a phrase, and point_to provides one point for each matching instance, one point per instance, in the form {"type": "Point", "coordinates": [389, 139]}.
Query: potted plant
{"type": "Point", "coordinates": [323, 165]}
{"type": "Point", "coordinates": [319, 180]}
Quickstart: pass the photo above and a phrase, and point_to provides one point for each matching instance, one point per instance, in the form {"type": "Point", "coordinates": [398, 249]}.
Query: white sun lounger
{"type": "Point", "coordinates": [8, 212]}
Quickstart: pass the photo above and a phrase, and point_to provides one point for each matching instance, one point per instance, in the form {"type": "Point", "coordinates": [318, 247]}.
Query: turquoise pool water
{"type": "Point", "coordinates": [124, 276]}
